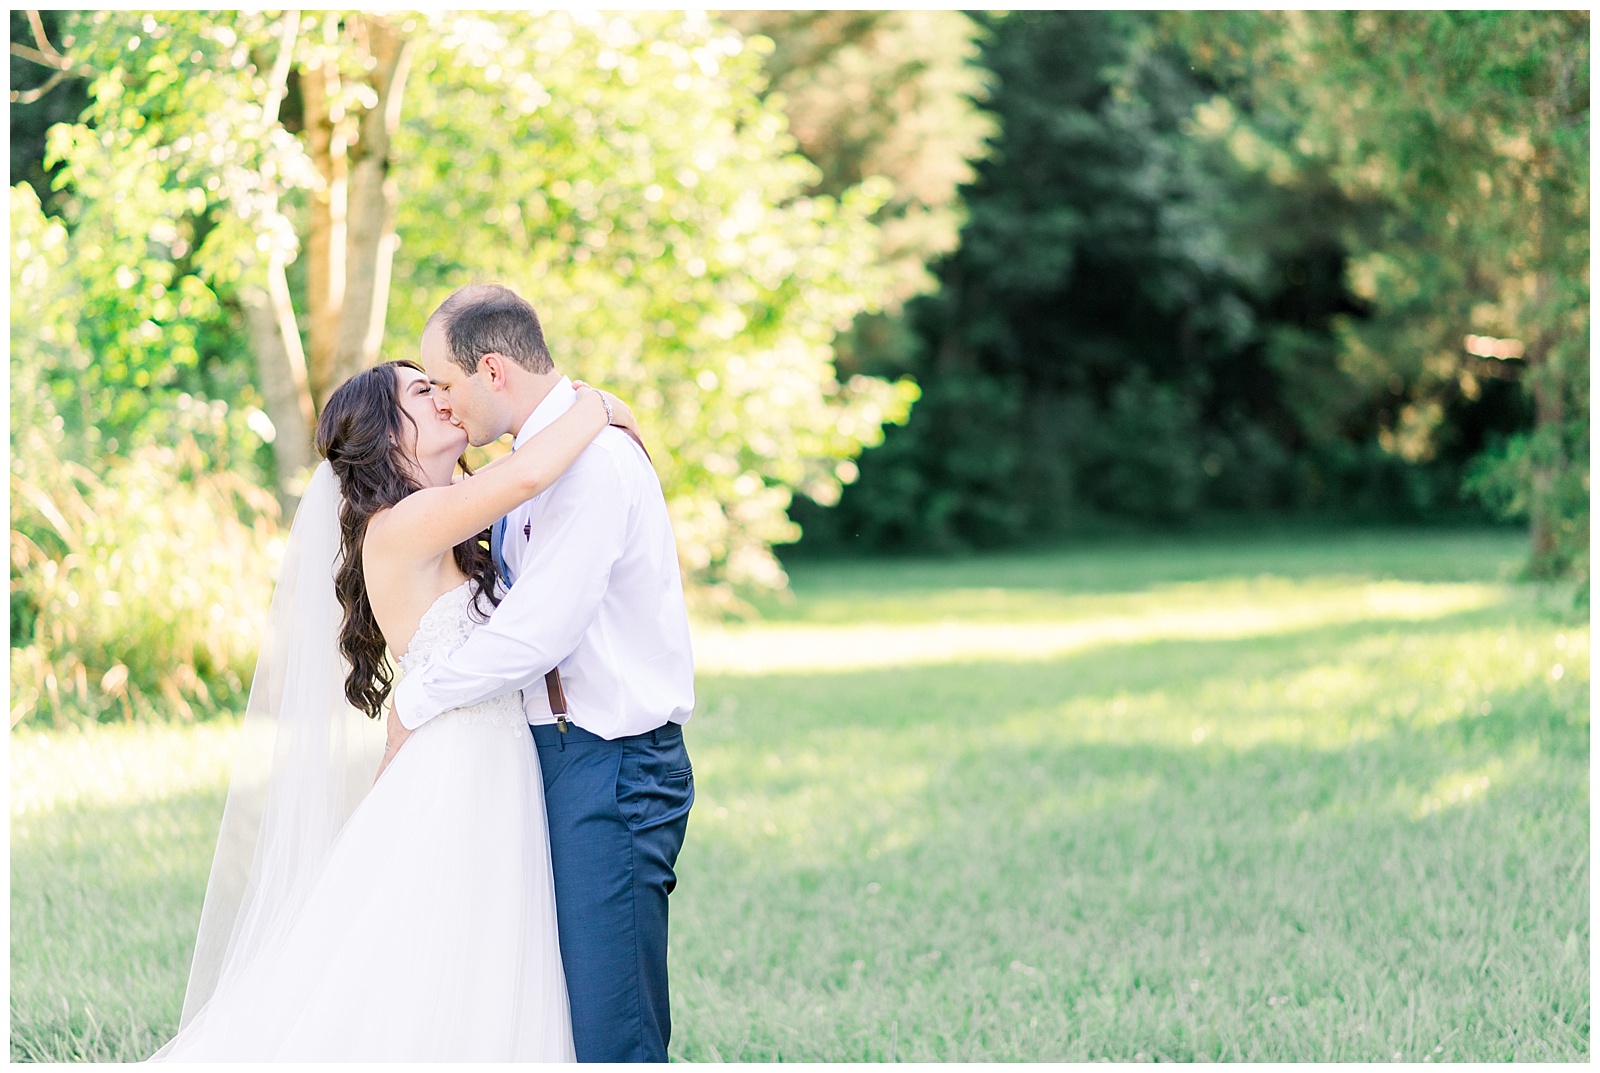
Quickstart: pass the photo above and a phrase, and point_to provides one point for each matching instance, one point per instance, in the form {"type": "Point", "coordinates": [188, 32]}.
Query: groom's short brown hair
{"type": "Point", "coordinates": [486, 318]}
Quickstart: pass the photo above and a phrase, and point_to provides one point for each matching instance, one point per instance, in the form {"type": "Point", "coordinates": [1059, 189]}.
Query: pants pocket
{"type": "Point", "coordinates": [655, 785]}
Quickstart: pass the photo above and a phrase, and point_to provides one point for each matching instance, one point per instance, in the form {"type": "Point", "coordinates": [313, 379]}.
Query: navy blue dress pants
{"type": "Point", "coordinates": [618, 811]}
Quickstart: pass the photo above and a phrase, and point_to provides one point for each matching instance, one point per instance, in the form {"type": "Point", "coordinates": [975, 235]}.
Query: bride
{"type": "Point", "coordinates": [414, 921]}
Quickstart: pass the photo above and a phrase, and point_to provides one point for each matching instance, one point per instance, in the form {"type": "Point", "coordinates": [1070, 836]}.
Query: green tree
{"type": "Point", "coordinates": [891, 94]}
{"type": "Point", "coordinates": [1468, 133]}
{"type": "Point", "coordinates": [1135, 324]}
{"type": "Point", "coordinates": [192, 102]}
{"type": "Point", "coordinates": [625, 175]}
{"type": "Point", "coordinates": [888, 97]}
{"type": "Point", "coordinates": [623, 171]}
{"type": "Point", "coordinates": [46, 89]}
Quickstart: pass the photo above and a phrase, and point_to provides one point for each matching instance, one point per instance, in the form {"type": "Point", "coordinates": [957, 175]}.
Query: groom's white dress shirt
{"type": "Point", "coordinates": [596, 592]}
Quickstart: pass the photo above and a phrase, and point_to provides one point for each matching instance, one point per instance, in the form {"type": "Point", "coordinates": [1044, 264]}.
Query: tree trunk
{"type": "Point", "coordinates": [274, 335]}
{"type": "Point", "coordinates": [1543, 510]}
{"type": "Point", "coordinates": [374, 200]}
{"type": "Point", "coordinates": [328, 143]}
{"type": "Point", "coordinates": [281, 365]}
{"type": "Point", "coordinates": [1547, 440]}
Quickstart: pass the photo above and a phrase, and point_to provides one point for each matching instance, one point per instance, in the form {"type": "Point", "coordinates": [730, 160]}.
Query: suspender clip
{"type": "Point", "coordinates": [558, 698]}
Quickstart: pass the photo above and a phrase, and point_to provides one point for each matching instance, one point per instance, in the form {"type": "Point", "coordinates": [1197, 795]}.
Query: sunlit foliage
{"type": "Point", "coordinates": [894, 94]}
{"type": "Point", "coordinates": [623, 172]}
{"type": "Point", "coordinates": [127, 594]}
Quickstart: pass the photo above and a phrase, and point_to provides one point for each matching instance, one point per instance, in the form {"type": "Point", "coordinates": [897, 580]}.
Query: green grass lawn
{"type": "Point", "coordinates": [1252, 798]}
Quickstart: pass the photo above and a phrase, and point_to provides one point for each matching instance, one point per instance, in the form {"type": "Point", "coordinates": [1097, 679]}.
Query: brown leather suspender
{"type": "Point", "coordinates": [635, 437]}
{"type": "Point", "coordinates": [558, 698]}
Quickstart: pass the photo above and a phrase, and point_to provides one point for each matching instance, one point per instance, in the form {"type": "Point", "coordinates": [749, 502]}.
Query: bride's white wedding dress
{"type": "Point", "coordinates": [429, 934]}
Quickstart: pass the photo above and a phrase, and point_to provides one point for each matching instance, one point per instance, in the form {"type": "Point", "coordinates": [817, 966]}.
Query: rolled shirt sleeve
{"type": "Point", "coordinates": [555, 597]}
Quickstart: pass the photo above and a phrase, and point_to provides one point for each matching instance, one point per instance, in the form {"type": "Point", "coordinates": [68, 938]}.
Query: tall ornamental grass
{"type": "Point", "coordinates": [136, 590]}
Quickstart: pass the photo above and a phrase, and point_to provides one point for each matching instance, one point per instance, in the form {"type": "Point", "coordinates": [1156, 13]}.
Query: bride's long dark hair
{"type": "Point", "coordinates": [358, 434]}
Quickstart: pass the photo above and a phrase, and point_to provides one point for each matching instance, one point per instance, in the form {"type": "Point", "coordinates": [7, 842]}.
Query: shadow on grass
{"type": "Point", "coordinates": [990, 861]}
{"type": "Point", "coordinates": [1377, 846]}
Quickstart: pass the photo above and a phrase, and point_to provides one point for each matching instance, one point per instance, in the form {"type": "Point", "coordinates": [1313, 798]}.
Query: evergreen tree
{"type": "Point", "coordinates": [1140, 322]}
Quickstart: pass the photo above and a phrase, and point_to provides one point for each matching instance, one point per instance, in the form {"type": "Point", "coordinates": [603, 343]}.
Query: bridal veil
{"type": "Point", "coordinates": [306, 758]}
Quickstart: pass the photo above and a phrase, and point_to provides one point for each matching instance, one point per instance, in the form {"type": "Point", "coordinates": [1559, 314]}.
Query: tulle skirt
{"type": "Point", "coordinates": [430, 933]}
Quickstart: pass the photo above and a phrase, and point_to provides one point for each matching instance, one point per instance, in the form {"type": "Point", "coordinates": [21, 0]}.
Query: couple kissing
{"type": "Point", "coordinates": [500, 892]}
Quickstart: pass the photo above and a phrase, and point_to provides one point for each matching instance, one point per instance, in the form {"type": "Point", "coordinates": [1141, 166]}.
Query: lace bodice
{"type": "Point", "coordinates": [444, 626]}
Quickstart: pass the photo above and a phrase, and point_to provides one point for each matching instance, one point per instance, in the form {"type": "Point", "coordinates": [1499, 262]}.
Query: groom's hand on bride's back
{"type": "Point", "coordinates": [397, 735]}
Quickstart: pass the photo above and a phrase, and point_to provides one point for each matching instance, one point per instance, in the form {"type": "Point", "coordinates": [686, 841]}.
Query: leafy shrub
{"type": "Point", "coordinates": [139, 581]}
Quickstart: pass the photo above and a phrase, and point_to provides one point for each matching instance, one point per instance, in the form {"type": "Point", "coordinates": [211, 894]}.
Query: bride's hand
{"type": "Point", "coordinates": [621, 414]}
{"type": "Point", "coordinates": [397, 735]}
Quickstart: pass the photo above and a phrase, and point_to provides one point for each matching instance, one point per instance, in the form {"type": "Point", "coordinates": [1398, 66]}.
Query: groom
{"type": "Point", "coordinates": [595, 593]}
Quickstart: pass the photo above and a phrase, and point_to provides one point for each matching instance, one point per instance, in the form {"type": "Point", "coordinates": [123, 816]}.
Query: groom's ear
{"type": "Point", "coordinates": [495, 365]}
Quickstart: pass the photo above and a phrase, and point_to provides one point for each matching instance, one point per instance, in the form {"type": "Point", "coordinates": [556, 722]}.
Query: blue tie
{"type": "Point", "coordinates": [497, 549]}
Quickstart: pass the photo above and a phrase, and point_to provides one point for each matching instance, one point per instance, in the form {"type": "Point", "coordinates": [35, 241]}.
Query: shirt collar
{"type": "Point", "coordinates": [561, 398]}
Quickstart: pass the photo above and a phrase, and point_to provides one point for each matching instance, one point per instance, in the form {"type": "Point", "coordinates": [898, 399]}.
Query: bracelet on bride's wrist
{"type": "Point", "coordinates": [607, 404]}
